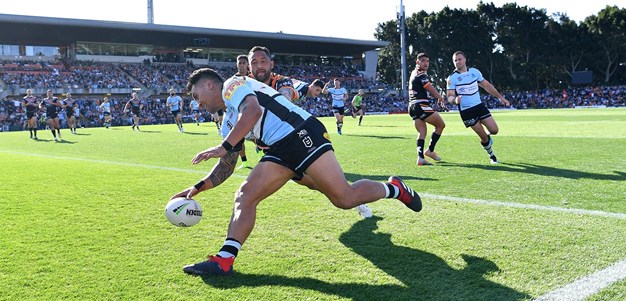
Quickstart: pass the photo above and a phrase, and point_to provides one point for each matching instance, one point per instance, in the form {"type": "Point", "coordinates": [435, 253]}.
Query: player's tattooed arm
{"type": "Point", "coordinates": [224, 168]}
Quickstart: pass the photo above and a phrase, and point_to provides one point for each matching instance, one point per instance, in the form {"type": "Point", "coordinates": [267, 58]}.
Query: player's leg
{"type": "Point", "coordinates": [491, 125]}
{"type": "Point", "coordinates": [329, 179]}
{"type": "Point", "coordinates": [179, 121]}
{"type": "Point", "coordinates": [307, 181]}
{"type": "Point", "coordinates": [436, 120]}
{"type": "Point", "coordinates": [265, 179]}
{"type": "Point", "coordinates": [339, 121]}
{"type": "Point", "coordinates": [55, 123]}
{"type": "Point", "coordinates": [485, 141]}
{"type": "Point", "coordinates": [244, 158]}
{"type": "Point", "coordinates": [361, 114]}
{"type": "Point", "coordinates": [420, 126]}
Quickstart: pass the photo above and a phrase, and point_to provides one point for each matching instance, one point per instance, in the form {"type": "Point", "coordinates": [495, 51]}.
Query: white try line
{"type": "Point", "coordinates": [587, 286]}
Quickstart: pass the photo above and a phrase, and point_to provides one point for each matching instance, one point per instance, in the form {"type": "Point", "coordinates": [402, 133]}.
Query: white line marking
{"type": "Point", "coordinates": [589, 285]}
{"type": "Point", "coordinates": [105, 162]}
{"type": "Point", "coordinates": [526, 206]}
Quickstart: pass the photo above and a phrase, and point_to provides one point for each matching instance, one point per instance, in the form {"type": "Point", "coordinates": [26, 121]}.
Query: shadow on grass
{"type": "Point", "coordinates": [192, 133]}
{"type": "Point", "coordinates": [65, 141]}
{"type": "Point", "coordinates": [543, 171]}
{"type": "Point", "coordinates": [82, 134]}
{"type": "Point", "coordinates": [374, 136]}
{"type": "Point", "coordinates": [382, 178]}
{"type": "Point", "coordinates": [424, 276]}
{"type": "Point", "coordinates": [150, 132]}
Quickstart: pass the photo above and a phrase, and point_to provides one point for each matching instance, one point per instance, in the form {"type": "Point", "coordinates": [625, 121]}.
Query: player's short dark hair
{"type": "Point", "coordinates": [461, 53]}
{"type": "Point", "coordinates": [260, 48]}
{"type": "Point", "coordinates": [203, 73]}
{"type": "Point", "coordinates": [318, 83]}
{"type": "Point", "coordinates": [421, 55]}
{"type": "Point", "coordinates": [242, 56]}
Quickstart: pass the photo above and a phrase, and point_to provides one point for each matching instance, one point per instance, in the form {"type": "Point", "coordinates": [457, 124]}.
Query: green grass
{"type": "Point", "coordinates": [83, 220]}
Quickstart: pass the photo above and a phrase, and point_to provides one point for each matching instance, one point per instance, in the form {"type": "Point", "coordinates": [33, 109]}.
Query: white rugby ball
{"type": "Point", "coordinates": [183, 212]}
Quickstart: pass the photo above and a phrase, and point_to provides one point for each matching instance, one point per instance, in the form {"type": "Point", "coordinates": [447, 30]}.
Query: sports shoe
{"type": "Point", "coordinates": [339, 132]}
{"type": "Point", "coordinates": [214, 266]}
{"type": "Point", "coordinates": [493, 160]}
{"type": "Point", "coordinates": [55, 139]}
{"type": "Point", "coordinates": [432, 155]}
{"type": "Point", "coordinates": [422, 162]}
{"type": "Point", "coordinates": [364, 211]}
{"type": "Point", "coordinates": [407, 196]}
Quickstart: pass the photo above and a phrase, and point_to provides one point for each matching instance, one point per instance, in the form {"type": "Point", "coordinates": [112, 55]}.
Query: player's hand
{"type": "Point", "coordinates": [506, 102]}
{"type": "Point", "coordinates": [188, 193]}
{"type": "Point", "coordinates": [213, 152]}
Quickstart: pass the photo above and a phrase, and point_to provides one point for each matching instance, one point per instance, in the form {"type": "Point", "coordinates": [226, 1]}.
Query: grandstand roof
{"type": "Point", "coordinates": [45, 31]}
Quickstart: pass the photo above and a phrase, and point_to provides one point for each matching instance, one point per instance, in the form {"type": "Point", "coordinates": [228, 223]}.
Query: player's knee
{"type": "Point", "coordinates": [343, 201]}
{"type": "Point", "coordinates": [494, 131]}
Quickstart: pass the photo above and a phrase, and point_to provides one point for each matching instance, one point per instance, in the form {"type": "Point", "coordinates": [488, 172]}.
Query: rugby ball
{"type": "Point", "coordinates": [183, 212]}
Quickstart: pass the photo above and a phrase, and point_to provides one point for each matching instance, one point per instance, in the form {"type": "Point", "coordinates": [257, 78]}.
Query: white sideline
{"type": "Point", "coordinates": [587, 286]}
{"type": "Point", "coordinates": [526, 206]}
{"type": "Point", "coordinates": [577, 290]}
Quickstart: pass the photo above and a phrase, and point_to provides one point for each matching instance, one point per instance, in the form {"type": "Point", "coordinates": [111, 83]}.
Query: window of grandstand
{"type": "Point", "coordinates": [15, 50]}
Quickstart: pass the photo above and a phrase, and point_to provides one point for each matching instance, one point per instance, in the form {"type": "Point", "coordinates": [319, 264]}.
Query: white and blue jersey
{"type": "Point", "coordinates": [106, 107]}
{"type": "Point", "coordinates": [337, 95]}
{"type": "Point", "coordinates": [466, 85]}
{"type": "Point", "coordinates": [195, 105]}
{"type": "Point", "coordinates": [174, 102]}
{"type": "Point", "coordinates": [279, 118]}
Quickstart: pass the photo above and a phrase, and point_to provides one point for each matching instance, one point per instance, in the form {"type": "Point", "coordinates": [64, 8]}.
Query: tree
{"type": "Point", "coordinates": [608, 31]}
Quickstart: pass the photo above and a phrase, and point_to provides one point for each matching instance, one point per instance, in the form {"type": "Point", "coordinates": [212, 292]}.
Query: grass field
{"type": "Point", "coordinates": [83, 219]}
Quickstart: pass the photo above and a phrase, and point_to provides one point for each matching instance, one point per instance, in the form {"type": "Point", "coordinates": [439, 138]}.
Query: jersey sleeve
{"type": "Point", "coordinates": [479, 76]}
{"type": "Point", "coordinates": [451, 85]}
{"type": "Point", "coordinates": [424, 80]}
{"type": "Point", "coordinates": [235, 90]}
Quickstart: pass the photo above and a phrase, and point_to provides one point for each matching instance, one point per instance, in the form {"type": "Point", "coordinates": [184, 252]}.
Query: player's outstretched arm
{"type": "Point", "coordinates": [222, 170]}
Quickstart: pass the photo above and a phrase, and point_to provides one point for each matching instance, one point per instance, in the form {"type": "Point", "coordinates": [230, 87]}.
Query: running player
{"type": "Point", "coordinates": [135, 104]}
{"type": "Point", "coordinates": [175, 103]}
{"type": "Point", "coordinates": [463, 86]}
{"type": "Point", "coordinates": [357, 104]}
{"type": "Point", "coordinates": [52, 105]}
{"type": "Point", "coordinates": [243, 69]}
{"type": "Point", "coordinates": [195, 109]}
{"type": "Point", "coordinates": [297, 144]}
{"type": "Point", "coordinates": [339, 96]}
{"type": "Point", "coordinates": [261, 67]}
{"type": "Point", "coordinates": [69, 104]}
{"type": "Point", "coordinates": [31, 104]}
{"type": "Point", "coordinates": [105, 106]}
{"type": "Point", "coordinates": [420, 110]}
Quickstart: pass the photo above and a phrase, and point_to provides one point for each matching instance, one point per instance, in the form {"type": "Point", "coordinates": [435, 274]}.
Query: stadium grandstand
{"type": "Point", "coordinates": [91, 59]}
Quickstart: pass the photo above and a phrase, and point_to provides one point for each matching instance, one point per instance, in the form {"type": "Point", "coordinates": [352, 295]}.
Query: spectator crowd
{"type": "Point", "coordinates": [159, 77]}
